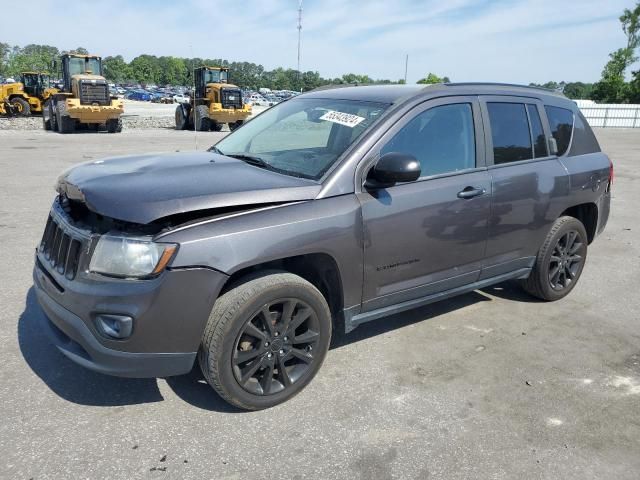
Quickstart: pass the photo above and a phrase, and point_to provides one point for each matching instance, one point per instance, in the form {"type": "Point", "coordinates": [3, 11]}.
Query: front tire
{"type": "Point", "coordinates": [20, 107]}
{"type": "Point", "coordinates": [201, 118]}
{"type": "Point", "coordinates": [560, 261]}
{"type": "Point", "coordinates": [182, 120]}
{"type": "Point", "coordinates": [234, 125]}
{"type": "Point", "coordinates": [114, 125]}
{"type": "Point", "coordinates": [66, 124]}
{"type": "Point", "coordinates": [265, 340]}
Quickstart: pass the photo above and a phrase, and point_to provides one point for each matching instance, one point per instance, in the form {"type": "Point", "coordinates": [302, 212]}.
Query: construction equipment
{"type": "Point", "coordinates": [213, 103]}
{"type": "Point", "coordinates": [26, 96]}
{"type": "Point", "coordinates": [84, 99]}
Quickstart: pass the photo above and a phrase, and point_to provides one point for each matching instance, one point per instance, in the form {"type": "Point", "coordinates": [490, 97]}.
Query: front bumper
{"type": "Point", "coordinates": [94, 113]}
{"type": "Point", "coordinates": [169, 312]}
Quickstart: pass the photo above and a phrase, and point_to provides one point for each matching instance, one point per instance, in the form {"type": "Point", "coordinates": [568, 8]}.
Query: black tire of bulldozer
{"type": "Point", "coordinates": [20, 107]}
{"type": "Point", "coordinates": [114, 125]}
{"type": "Point", "coordinates": [66, 124]}
{"type": "Point", "coordinates": [234, 125]}
{"type": "Point", "coordinates": [201, 118]}
{"type": "Point", "coordinates": [216, 127]}
{"type": "Point", "coordinates": [46, 124]}
{"type": "Point", "coordinates": [182, 120]}
{"type": "Point", "coordinates": [52, 118]}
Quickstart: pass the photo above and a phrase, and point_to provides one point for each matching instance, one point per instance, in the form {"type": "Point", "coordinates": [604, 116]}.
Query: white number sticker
{"type": "Point", "coordinates": [346, 119]}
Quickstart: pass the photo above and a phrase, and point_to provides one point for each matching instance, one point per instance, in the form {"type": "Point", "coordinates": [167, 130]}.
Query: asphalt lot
{"type": "Point", "coordinates": [488, 385]}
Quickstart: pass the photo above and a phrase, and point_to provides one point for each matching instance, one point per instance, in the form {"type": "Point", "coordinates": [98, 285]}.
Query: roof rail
{"type": "Point", "coordinates": [499, 84]}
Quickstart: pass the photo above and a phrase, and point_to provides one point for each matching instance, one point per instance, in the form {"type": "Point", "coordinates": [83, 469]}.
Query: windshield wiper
{"type": "Point", "coordinates": [250, 159]}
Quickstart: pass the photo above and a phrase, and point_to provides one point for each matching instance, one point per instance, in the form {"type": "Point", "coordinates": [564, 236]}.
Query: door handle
{"type": "Point", "coordinates": [470, 192]}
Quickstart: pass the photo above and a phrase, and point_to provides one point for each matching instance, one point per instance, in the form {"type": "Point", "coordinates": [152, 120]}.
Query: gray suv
{"type": "Point", "coordinates": [329, 210]}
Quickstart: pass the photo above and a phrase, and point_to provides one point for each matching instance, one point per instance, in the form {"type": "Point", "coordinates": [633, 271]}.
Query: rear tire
{"type": "Point", "coordinates": [52, 118]}
{"type": "Point", "coordinates": [216, 127]}
{"type": "Point", "coordinates": [182, 120]}
{"type": "Point", "coordinates": [265, 340]}
{"type": "Point", "coordinates": [20, 107]}
{"type": "Point", "coordinates": [201, 118]}
{"type": "Point", "coordinates": [560, 261]}
{"type": "Point", "coordinates": [46, 124]}
{"type": "Point", "coordinates": [114, 125]}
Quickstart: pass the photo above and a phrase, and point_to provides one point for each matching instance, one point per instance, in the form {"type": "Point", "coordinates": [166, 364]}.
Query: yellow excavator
{"type": "Point", "coordinates": [213, 103]}
{"type": "Point", "coordinates": [84, 99]}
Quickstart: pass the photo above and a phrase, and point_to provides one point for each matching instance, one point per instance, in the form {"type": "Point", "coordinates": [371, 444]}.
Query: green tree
{"type": "Point", "coordinates": [80, 51]}
{"type": "Point", "coordinates": [5, 49]}
{"type": "Point", "coordinates": [431, 78]}
{"type": "Point", "coordinates": [116, 69]}
{"type": "Point", "coordinates": [578, 90]}
{"type": "Point", "coordinates": [612, 88]}
{"type": "Point", "coordinates": [32, 57]}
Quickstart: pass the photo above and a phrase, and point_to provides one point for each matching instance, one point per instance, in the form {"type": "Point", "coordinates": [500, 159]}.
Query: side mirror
{"type": "Point", "coordinates": [392, 168]}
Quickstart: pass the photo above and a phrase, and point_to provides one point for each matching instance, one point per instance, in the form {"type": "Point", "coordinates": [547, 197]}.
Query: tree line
{"type": "Point", "coordinates": [612, 87]}
{"type": "Point", "coordinates": [150, 69]}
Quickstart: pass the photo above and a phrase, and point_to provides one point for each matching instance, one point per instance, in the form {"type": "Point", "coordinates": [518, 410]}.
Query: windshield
{"type": "Point", "coordinates": [302, 137]}
{"type": "Point", "coordinates": [81, 65]}
{"type": "Point", "coordinates": [215, 76]}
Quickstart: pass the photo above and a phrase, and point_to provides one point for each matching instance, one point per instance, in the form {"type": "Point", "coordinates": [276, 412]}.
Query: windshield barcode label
{"type": "Point", "coordinates": [346, 119]}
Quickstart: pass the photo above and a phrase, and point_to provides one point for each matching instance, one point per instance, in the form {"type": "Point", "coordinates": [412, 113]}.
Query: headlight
{"type": "Point", "coordinates": [130, 257]}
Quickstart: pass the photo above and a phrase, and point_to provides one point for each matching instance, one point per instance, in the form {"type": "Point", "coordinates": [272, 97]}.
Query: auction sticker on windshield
{"type": "Point", "coordinates": [346, 119]}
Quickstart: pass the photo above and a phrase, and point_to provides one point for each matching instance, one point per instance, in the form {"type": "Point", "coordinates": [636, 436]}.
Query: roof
{"type": "Point", "coordinates": [395, 93]}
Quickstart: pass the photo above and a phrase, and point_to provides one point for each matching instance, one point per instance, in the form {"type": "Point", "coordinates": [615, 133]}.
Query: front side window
{"type": "Point", "coordinates": [510, 132]}
{"type": "Point", "coordinates": [442, 139]}
{"type": "Point", "coordinates": [561, 123]}
{"type": "Point", "coordinates": [215, 76]}
{"type": "Point", "coordinates": [302, 137]}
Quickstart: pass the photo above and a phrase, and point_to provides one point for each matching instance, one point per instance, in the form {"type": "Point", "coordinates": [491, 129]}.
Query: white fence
{"type": "Point", "coordinates": [611, 115]}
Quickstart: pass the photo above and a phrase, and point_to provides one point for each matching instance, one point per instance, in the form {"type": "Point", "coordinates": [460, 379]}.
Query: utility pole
{"type": "Point", "coordinates": [299, 37]}
{"type": "Point", "coordinates": [406, 67]}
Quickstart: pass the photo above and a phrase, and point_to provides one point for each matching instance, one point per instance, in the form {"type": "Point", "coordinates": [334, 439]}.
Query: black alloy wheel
{"type": "Point", "coordinates": [566, 260]}
{"type": "Point", "coordinates": [276, 347]}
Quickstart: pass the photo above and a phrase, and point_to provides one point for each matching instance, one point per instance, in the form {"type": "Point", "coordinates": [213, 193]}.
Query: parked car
{"type": "Point", "coordinates": [181, 98]}
{"type": "Point", "coordinates": [257, 99]}
{"type": "Point", "coordinates": [139, 95]}
{"type": "Point", "coordinates": [330, 210]}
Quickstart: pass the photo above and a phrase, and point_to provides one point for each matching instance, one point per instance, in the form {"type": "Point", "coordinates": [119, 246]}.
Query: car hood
{"type": "Point", "coordinates": [145, 188]}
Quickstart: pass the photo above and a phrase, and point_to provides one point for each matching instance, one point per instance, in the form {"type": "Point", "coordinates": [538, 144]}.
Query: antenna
{"type": "Point", "coordinates": [406, 67]}
{"type": "Point", "coordinates": [299, 38]}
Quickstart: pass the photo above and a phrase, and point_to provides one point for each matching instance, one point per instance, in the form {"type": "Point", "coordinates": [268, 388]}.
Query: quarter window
{"type": "Point", "coordinates": [441, 138]}
{"type": "Point", "coordinates": [561, 123]}
{"type": "Point", "coordinates": [510, 132]}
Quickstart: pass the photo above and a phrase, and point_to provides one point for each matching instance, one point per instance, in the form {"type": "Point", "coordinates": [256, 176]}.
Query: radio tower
{"type": "Point", "coordinates": [299, 36]}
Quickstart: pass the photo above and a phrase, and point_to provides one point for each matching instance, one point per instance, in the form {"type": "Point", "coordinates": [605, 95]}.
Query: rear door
{"type": "Point", "coordinates": [528, 183]}
{"type": "Point", "coordinates": [423, 237]}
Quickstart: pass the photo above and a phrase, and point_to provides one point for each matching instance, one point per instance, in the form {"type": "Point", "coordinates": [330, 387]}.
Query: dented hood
{"type": "Point", "coordinates": [144, 188]}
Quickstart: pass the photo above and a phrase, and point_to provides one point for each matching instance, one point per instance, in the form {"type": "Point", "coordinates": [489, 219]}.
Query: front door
{"type": "Point", "coordinates": [430, 235]}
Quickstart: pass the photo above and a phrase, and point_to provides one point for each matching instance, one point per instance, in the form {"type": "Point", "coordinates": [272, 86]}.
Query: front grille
{"type": "Point", "coordinates": [60, 249]}
{"type": "Point", "coordinates": [231, 98]}
{"type": "Point", "coordinates": [91, 93]}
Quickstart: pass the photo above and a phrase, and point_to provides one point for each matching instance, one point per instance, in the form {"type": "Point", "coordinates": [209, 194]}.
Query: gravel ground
{"type": "Point", "coordinates": [491, 384]}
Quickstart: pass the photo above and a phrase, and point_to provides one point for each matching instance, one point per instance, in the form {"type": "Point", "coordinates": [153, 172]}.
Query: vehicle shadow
{"type": "Point", "coordinates": [79, 385]}
{"type": "Point", "coordinates": [68, 380]}
{"type": "Point", "coordinates": [510, 290]}
{"type": "Point", "coordinates": [403, 319]}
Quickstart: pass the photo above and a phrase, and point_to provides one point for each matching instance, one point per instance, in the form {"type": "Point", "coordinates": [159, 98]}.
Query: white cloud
{"type": "Point", "coordinates": [494, 40]}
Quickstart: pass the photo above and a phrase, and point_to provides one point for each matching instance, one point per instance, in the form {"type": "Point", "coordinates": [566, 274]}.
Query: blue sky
{"type": "Point", "coordinates": [468, 40]}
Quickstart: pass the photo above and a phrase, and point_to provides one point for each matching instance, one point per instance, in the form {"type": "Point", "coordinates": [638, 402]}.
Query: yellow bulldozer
{"type": "Point", "coordinates": [84, 100]}
{"type": "Point", "coordinates": [213, 103]}
{"type": "Point", "coordinates": [26, 96]}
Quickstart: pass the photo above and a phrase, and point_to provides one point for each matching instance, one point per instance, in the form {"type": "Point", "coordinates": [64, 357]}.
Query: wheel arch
{"type": "Point", "coordinates": [319, 269]}
{"type": "Point", "coordinates": [587, 213]}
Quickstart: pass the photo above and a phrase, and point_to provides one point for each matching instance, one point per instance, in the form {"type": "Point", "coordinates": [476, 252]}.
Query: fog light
{"type": "Point", "coordinates": [115, 326]}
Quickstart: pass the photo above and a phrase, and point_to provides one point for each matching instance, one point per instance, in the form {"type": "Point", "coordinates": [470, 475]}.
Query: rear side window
{"type": "Point", "coordinates": [510, 132]}
{"type": "Point", "coordinates": [584, 141]}
{"type": "Point", "coordinates": [561, 123]}
{"type": "Point", "coordinates": [441, 138]}
{"type": "Point", "coordinates": [537, 133]}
